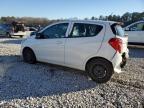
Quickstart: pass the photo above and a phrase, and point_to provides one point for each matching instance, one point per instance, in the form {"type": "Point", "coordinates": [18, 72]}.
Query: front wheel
{"type": "Point", "coordinates": [100, 70]}
{"type": "Point", "coordinates": [8, 35]}
{"type": "Point", "coordinates": [29, 56]}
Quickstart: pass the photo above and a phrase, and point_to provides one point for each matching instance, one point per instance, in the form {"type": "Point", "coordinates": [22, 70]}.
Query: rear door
{"type": "Point", "coordinates": [83, 41]}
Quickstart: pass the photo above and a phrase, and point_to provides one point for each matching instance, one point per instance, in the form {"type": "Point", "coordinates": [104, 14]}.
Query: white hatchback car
{"type": "Point", "coordinates": [135, 32]}
{"type": "Point", "coordinates": [97, 47]}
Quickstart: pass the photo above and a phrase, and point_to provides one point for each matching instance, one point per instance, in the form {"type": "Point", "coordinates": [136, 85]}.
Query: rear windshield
{"type": "Point", "coordinates": [118, 30]}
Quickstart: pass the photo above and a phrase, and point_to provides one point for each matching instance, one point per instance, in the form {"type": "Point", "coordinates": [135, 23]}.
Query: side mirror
{"type": "Point", "coordinates": [39, 36]}
{"type": "Point", "coordinates": [33, 33]}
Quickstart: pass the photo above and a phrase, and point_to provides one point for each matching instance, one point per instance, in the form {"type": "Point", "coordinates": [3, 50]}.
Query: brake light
{"type": "Point", "coordinates": [116, 43]}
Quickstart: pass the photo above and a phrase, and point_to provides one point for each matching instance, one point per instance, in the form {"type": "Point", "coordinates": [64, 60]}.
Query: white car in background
{"type": "Point", "coordinates": [97, 47]}
{"type": "Point", "coordinates": [135, 32]}
{"type": "Point", "coordinates": [19, 33]}
{"type": "Point", "coordinates": [30, 30]}
{"type": "Point", "coordinates": [27, 31]}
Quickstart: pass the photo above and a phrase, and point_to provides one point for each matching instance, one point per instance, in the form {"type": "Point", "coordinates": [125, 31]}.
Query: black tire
{"type": "Point", "coordinates": [29, 56]}
{"type": "Point", "coordinates": [21, 36]}
{"type": "Point", "coordinates": [100, 70]}
{"type": "Point", "coordinates": [8, 35]}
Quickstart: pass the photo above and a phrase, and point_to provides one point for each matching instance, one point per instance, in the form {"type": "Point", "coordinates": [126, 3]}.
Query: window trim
{"type": "Point", "coordinates": [86, 23]}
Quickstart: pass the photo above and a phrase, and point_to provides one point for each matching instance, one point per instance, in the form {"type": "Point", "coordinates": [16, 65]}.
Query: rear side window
{"type": "Point", "coordinates": [117, 30]}
{"type": "Point", "coordinates": [93, 30]}
{"type": "Point", "coordinates": [85, 30]}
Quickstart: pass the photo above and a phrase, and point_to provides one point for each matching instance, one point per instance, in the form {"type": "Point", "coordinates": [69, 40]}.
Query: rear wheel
{"type": "Point", "coordinates": [21, 36]}
{"type": "Point", "coordinates": [100, 70]}
{"type": "Point", "coordinates": [29, 56]}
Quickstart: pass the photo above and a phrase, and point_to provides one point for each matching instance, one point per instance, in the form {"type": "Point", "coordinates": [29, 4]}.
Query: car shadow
{"type": "Point", "coordinates": [136, 52]}
{"type": "Point", "coordinates": [12, 40]}
{"type": "Point", "coordinates": [19, 80]}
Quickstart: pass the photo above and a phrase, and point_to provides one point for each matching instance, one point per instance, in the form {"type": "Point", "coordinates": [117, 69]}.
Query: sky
{"type": "Point", "coordinates": [57, 9]}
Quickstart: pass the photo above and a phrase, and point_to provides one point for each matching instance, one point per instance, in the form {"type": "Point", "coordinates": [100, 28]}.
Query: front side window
{"type": "Point", "coordinates": [137, 27]}
{"type": "Point", "coordinates": [56, 31]}
{"type": "Point", "coordinates": [85, 30]}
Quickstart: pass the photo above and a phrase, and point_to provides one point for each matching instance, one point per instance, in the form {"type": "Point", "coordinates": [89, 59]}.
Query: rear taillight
{"type": "Point", "coordinates": [116, 43]}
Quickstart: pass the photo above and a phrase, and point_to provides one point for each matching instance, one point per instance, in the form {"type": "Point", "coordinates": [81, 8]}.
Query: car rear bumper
{"type": "Point", "coordinates": [124, 60]}
{"type": "Point", "coordinates": [119, 61]}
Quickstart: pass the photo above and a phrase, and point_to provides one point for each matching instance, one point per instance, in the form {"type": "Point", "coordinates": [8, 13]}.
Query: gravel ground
{"type": "Point", "coordinates": [44, 85]}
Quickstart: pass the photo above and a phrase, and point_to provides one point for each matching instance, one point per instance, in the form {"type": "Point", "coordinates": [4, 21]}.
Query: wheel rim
{"type": "Point", "coordinates": [99, 71]}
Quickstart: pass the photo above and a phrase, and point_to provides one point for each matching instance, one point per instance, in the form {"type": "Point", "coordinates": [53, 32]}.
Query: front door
{"type": "Point", "coordinates": [50, 48]}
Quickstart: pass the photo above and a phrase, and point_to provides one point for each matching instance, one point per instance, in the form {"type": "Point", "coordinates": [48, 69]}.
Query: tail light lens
{"type": "Point", "coordinates": [116, 43]}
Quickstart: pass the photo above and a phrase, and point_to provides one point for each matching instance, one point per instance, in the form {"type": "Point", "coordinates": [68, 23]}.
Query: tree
{"type": "Point", "coordinates": [127, 18]}
{"type": "Point", "coordinates": [101, 17]}
{"type": "Point", "coordinates": [92, 18]}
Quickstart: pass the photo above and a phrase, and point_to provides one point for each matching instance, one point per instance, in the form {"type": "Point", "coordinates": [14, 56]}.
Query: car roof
{"type": "Point", "coordinates": [90, 21]}
{"type": "Point", "coordinates": [139, 21]}
{"type": "Point", "coordinates": [135, 23]}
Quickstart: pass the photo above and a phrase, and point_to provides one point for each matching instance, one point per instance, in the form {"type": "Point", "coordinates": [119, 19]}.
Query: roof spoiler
{"type": "Point", "coordinates": [118, 23]}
